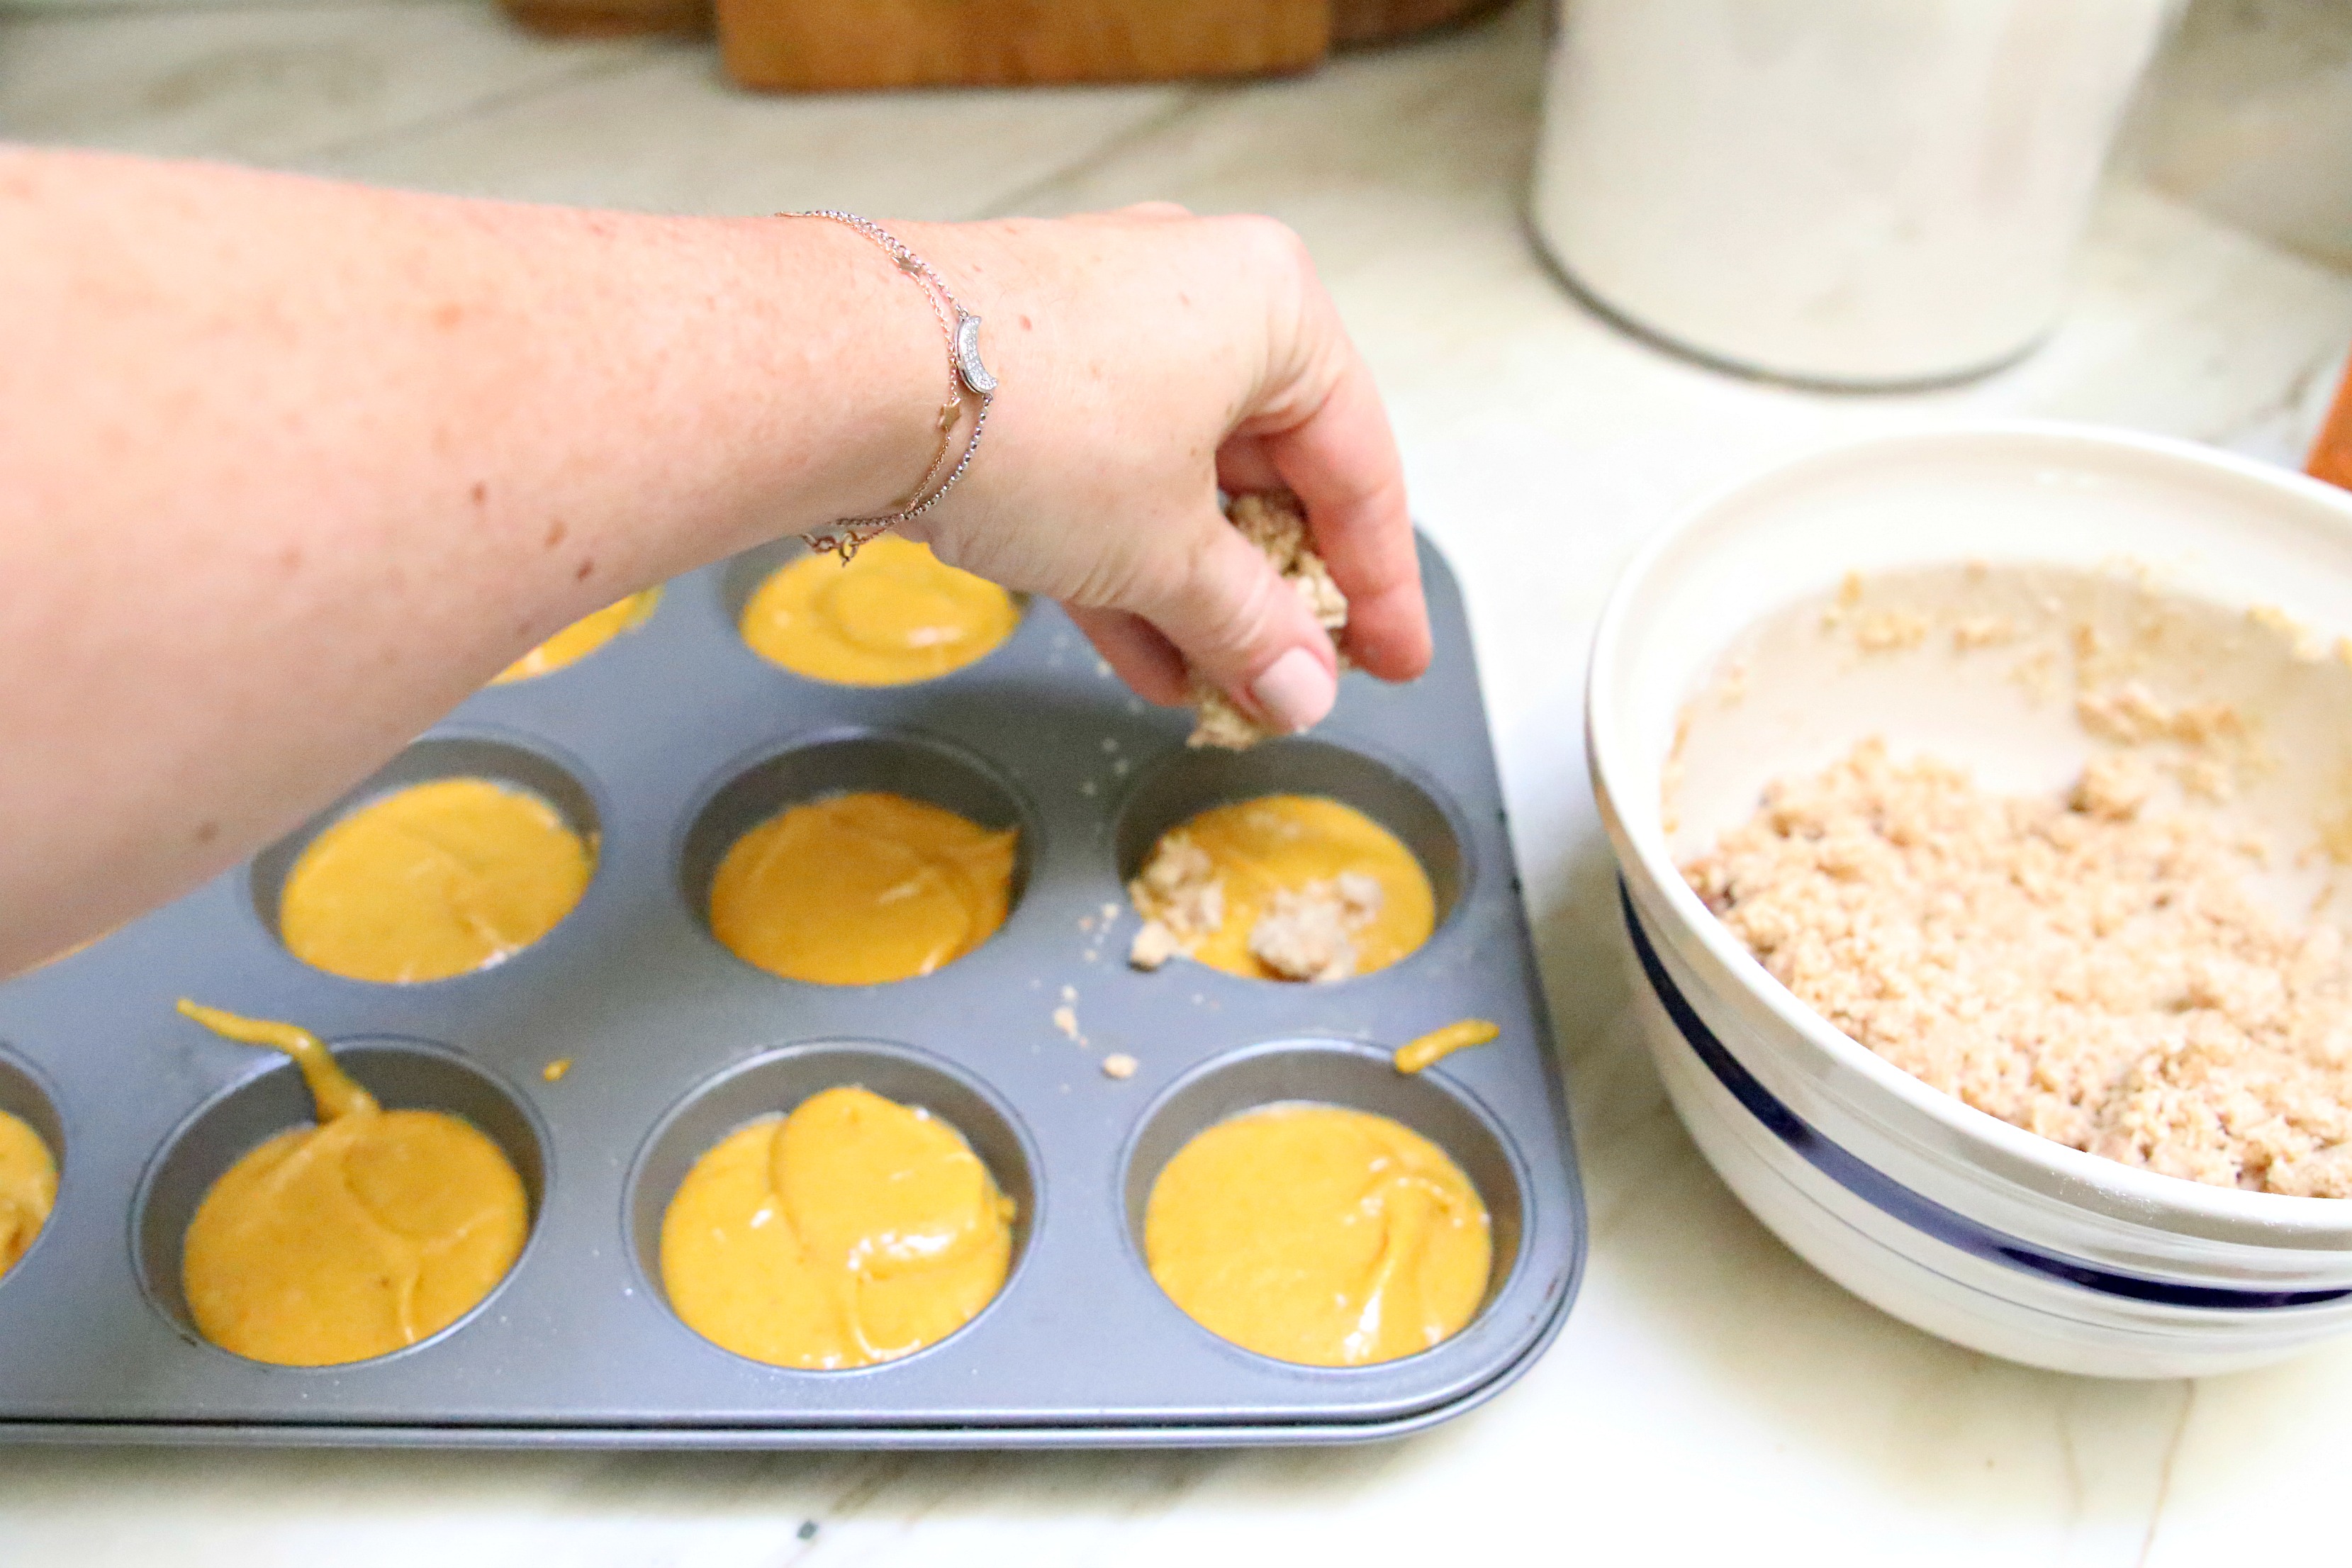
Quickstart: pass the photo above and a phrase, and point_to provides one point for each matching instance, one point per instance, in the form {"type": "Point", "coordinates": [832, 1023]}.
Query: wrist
{"type": "Point", "coordinates": [854, 367]}
{"type": "Point", "coordinates": [960, 417]}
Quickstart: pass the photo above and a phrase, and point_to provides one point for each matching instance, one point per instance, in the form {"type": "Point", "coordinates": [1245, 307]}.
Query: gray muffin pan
{"type": "Point", "coordinates": [666, 743]}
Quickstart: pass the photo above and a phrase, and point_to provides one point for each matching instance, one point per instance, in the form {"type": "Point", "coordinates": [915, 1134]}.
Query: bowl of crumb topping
{"type": "Point", "coordinates": [1982, 800]}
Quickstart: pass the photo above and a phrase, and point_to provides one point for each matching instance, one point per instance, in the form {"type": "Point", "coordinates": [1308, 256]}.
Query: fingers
{"type": "Point", "coordinates": [1238, 625]}
{"type": "Point", "coordinates": [1142, 657]}
{"type": "Point", "coordinates": [1343, 465]}
{"type": "Point", "coordinates": [1260, 372]}
{"type": "Point", "coordinates": [1322, 432]}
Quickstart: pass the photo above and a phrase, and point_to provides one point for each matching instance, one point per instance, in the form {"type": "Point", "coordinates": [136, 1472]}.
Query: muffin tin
{"type": "Point", "coordinates": [664, 744]}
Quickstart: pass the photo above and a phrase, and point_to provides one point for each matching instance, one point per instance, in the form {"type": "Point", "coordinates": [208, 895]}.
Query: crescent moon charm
{"type": "Point", "coordinates": [967, 354]}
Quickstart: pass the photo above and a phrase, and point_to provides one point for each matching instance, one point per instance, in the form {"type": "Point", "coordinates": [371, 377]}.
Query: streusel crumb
{"type": "Point", "coordinates": [1181, 898]}
{"type": "Point", "coordinates": [2089, 967]}
{"type": "Point", "coordinates": [1307, 932]}
{"type": "Point", "coordinates": [1271, 520]}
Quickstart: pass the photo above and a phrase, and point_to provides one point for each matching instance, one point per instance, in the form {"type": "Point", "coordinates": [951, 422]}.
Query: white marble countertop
{"type": "Point", "coordinates": [1712, 1399]}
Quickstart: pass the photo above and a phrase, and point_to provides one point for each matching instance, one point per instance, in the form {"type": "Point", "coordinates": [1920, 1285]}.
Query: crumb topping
{"type": "Point", "coordinates": [2090, 967]}
{"type": "Point", "coordinates": [1272, 520]}
{"type": "Point", "coordinates": [1181, 898]}
{"type": "Point", "coordinates": [1307, 933]}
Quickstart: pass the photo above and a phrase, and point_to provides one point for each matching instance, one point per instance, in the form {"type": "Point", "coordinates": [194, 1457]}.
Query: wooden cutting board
{"type": "Point", "coordinates": [821, 44]}
{"type": "Point", "coordinates": [610, 18]}
{"type": "Point", "coordinates": [2331, 455]}
{"type": "Point", "coordinates": [1377, 21]}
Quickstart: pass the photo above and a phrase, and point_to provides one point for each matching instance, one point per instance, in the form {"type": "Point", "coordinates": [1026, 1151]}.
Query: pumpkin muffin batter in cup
{"type": "Point", "coordinates": [1320, 1235]}
{"type": "Point", "coordinates": [1284, 887]}
{"type": "Point", "coordinates": [581, 637]}
{"type": "Point", "coordinates": [436, 879]}
{"type": "Point", "coordinates": [861, 888]}
{"type": "Point", "coordinates": [354, 1237]}
{"type": "Point", "coordinates": [893, 614]}
{"type": "Point", "coordinates": [854, 1230]}
{"type": "Point", "coordinates": [28, 1187]}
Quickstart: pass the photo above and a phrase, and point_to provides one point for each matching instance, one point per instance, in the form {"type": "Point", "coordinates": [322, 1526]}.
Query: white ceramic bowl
{"type": "Point", "coordinates": [1944, 1217]}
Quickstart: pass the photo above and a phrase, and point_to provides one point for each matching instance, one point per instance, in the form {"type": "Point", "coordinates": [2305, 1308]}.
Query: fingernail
{"type": "Point", "coordinates": [1296, 690]}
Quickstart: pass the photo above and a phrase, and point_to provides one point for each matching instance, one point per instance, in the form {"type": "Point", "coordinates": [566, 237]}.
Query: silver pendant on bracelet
{"type": "Point", "coordinates": [967, 375]}
{"type": "Point", "coordinates": [967, 354]}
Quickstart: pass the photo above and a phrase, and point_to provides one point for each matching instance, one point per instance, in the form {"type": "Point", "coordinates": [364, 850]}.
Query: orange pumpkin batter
{"type": "Point", "coordinates": [1320, 1235]}
{"type": "Point", "coordinates": [855, 890]}
{"type": "Point", "coordinates": [28, 1187]}
{"type": "Point", "coordinates": [335, 1243]}
{"type": "Point", "coordinates": [581, 637]}
{"type": "Point", "coordinates": [440, 879]}
{"type": "Point", "coordinates": [895, 613]}
{"type": "Point", "coordinates": [852, 1231]}
{"type": "Point", "coordinates": [1212, 881]}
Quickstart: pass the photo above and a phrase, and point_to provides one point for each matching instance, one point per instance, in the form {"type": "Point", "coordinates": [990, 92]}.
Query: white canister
{"type": "Point", "coordinates": [1856, 193]}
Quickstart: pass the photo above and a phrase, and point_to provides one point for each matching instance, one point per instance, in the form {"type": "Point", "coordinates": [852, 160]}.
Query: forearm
{"type": "Point", "coordinates": [291, 467]}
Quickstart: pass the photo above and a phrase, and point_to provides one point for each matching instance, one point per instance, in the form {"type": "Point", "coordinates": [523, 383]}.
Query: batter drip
{"type": "Point", "coordinates": [1318, 1235]}
{"type": "Point", "coordinates": [441, 879]}
{"type": "Point", "coordinates": [581, 637]}
{"type": "Point", "coordinates": [1285, 887]}
{"type": "Point", "coordinates": [28, 1188]}
{"type": "Point", "coordinates": [895, 613]}
{"type": "Point", "coordinates": [1438, 1044]}
{"type": "Point", "coordinates": [852, 1231]}
{"type": "Point", "coordinates": [856, 889]}
{"type": "Point", "coordinates": [347, 1240]}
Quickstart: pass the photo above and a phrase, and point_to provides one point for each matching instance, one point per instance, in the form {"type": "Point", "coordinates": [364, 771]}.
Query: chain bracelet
{"type": "Point", "coordinates": [966, 375]}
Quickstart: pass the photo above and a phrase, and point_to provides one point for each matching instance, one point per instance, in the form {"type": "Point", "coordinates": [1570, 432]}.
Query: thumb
{"type": "Point", "coordinates": [1241, 626]}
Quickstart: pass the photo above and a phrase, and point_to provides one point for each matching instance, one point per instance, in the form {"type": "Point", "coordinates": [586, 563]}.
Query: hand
{"type": "Point", "coordinates": [1147, 358]}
